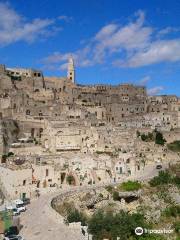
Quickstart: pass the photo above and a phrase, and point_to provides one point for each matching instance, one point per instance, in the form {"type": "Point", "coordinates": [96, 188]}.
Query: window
{"type": "Point", "coordinates": [47, 172]}
{"type": "Point", "coordinates": [27, 112]}
{"type": "Point", "coordinates": [24, 182]}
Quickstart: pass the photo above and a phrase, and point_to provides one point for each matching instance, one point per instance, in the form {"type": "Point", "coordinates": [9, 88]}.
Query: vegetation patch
{"type": "Point", "coordinates": [130, 186]}
{"type": "Point", "coordinates": [64, 208]}
{"type": "Point", "coordinates": [74, 215]}
{"type": "Point", "coordinates": [147, 137]}
{"type": "Point", "coordinates": [172, 211]}
{"type": "Point", "coordinates": [174, 146]}
{"type": "Point", "coordinates": [159, 139]}
{"type": "Point", "coordinates": [165, 177]}
{"type": "Point", "coordinates": [155, 136]}
{"type": "Point", "coordinates": [105, 225]}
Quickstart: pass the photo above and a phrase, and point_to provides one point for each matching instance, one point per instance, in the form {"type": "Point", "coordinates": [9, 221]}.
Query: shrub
{"type": "Point", "coordinates": [76, 216]}
{"type": "Point", "coordinates": [148, 138]}
{"type": "Point", "coordinates": [116, 196]}
{"type": "Point", "coordinates": [176, 226]}
{"type": "Point", "coordinates": [100, 195]}
{"type": "Point", "coordinates": [174, 146]}
{"type": "Point", "coordinates": [176, 180]}
{"type": "Point", "coordinates": [108, 225]}
{"type": "Point", "coordinates": [109, 189]}
{"type": "Point", "coordinates": [159, 139]}
{"type": "Point", "coordinates": [143, 137]}
{"type": "Point", "coordinates": [172, 211]}
{"type": "Point", "coordinates": [163, 178]}
{"type": "Point", "coordinates": [131, 186]}
{"type": "Point", "coordinates": [10, 154]}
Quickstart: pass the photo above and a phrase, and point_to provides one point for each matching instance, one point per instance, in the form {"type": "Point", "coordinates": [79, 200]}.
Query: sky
{"type": "Point", "coordinates": [112, 41]}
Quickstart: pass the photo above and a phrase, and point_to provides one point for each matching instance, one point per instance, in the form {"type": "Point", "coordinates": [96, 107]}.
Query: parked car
{"type": "Point", "coordinates": [26, 201]}
{"type": "Point", "coordinates": [14, 210]}
{"type": "Point", "coordinates": [14, 237]}
{"type": "Point", "coordinates": [12, 231]}
{"type": "Point", "coordinates": [158, 166]}
{"type": "Point", "coordinates": [21, 207]}
{"type": "Point", "coordinates": [18, 201]}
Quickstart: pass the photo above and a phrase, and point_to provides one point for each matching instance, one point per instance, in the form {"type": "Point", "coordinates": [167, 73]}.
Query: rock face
{"type": "Point", "coordinates": [152, 207]}
{"type": "Point", "coordinates": [5, 82]}
{"type": "Point", "coordinates": [8, 133]}
{"type": "Point", "coordinates": [174, 193]}
{"type": "Point", "coordinates": [130, 194]}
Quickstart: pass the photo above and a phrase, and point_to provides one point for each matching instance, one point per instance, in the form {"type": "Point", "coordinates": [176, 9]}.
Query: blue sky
{"type": "Point", "coordinates": [112, 41]}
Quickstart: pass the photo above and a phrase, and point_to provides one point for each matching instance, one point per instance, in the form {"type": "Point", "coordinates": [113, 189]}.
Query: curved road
{"type": "Point", "coordinates": [41, 222]}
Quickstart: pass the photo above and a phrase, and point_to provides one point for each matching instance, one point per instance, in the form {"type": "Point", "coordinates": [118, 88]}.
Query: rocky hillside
{"type": "Point", "coordinates": [156, 203]}
{"type": "Point", "coordinates": [9, 131]}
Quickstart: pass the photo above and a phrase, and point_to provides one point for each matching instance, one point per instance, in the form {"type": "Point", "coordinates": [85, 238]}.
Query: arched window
{"type": "Point", "coordinates": [28, 112]}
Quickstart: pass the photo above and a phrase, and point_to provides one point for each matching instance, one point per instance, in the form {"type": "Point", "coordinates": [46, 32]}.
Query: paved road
{"type": "Point", "coordinates": [41, 222]}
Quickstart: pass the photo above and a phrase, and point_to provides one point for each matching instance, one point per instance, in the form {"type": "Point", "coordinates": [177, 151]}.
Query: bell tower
{"type": "Point", "coordinates": [71, 70]}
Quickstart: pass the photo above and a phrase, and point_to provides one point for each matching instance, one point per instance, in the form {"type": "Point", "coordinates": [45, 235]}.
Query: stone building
{"type": "Point", "coordinates": [87, 131]}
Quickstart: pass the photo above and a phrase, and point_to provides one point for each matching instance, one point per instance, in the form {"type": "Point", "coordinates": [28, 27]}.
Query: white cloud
{"type": "Point", "coordinates": [60, 60]}
{"type": "Point", "coordinates": [111, 38]}
{"type": "Point", "coordinates": [65, 18]}
{"type": "Point", "coordinates": [106, 32]}
{"type": "Point", "coordinates": [155, 90]}
{"type": "Point", "coordinates": [13, 27]}
{"type": "Point", "coordinates": [159, 51]}
{"type": "Point", "coordinates": [131, 45]}
{"type": "Point", "coordinates": [144, 80]}
{"type": "Point", "coordinates": [131, 36]}
{"type": "Point", "coordinates": [168, 30]}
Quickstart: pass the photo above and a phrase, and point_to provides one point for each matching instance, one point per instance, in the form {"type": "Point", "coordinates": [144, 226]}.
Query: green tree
{"type": "Point", "coordinates": [159, 139]}
{"type": "Point", "coordinates": [108, 225]}
{"type": "Point", "coordinates": [163, 178]}
{"type": "Point", "coordinates": [143, 137]}
{"type": "Point", "coordinates": [76, 216]}
{"type": "Point", "coordinates": [116, 196]}
{"type": "Point", "coordinates": [172, 211]}
{"type": "Point", "coordinates": [177, 226]}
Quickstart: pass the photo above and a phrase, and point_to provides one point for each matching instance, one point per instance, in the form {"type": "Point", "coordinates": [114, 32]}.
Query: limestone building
{"type": "Point", "coordinates": [88, 131]}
